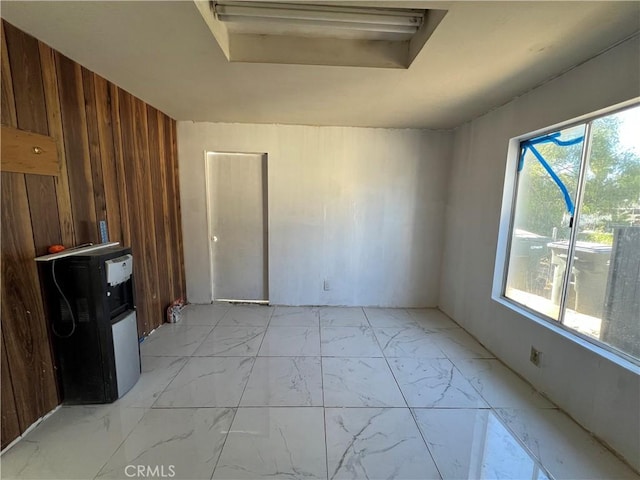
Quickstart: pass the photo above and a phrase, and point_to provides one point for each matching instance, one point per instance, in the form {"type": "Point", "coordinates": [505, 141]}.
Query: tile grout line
{"type": "Point", "coordinates": [520, 442]}
{"type": "Point", "coordinates": [411, 412]}
{"type": "Point", "coordinates": [194, 408]}
{"type": "Point", "coordinates": [491, 408]}
{"type": "Point", "coordinates": [433, 458]}
{"type": "Point", "coordinates": [146, 409]}
{"type": "Point", "coordinates": [187, 360]}
{"type": "Point", "coordinates": [322, 377]}
{"type": "Point", "coordinates": [235, 410]}
{"type": "Point", "coordinates": [266, 328]}
{"type": "Point", "coordinates": [226, 437]}
{"type": "Point", "coordinates": [324, 408]}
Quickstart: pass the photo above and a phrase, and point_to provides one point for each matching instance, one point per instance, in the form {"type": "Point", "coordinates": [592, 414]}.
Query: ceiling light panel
{"type": "Point", "coordinates": [403, 21]}
{"type": "Point", "coordinates": [323, 33]}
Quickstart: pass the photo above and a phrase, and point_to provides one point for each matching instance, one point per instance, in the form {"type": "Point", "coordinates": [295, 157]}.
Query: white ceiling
{"type": "Point", "coordinates": [482, 55]}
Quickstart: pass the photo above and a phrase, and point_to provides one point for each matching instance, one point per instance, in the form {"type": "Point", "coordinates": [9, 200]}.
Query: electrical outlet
{"type": "Point", "coordinates": [326, 286]}
{"type": "Point", "coordinates": [535, 357]}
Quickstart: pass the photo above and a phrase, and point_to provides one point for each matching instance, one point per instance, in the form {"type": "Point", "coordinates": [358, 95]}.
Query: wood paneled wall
{"type": "Point", "coordinates": [119, 164]}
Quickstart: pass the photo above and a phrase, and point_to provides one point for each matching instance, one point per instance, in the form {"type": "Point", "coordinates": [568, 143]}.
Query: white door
{"type": "Point", "coordinates": [237, 202]}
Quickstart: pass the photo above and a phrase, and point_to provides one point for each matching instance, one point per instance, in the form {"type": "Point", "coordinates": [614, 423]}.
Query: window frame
{"type": "Point", "coordinates": [505, 235]}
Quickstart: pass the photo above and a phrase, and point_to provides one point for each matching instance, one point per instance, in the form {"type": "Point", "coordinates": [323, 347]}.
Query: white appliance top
{"type": "Point", "coordinates": [75, 251]}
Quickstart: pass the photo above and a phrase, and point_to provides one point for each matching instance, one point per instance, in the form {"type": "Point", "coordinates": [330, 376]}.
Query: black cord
{"type": "Point", "coordinates": [73, 320]}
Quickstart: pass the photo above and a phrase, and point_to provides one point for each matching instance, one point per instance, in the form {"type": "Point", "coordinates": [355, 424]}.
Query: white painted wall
{"type": "Point", "coordinates": [602, 395]}
{"type": "Point", "coordinates": [362, 208]}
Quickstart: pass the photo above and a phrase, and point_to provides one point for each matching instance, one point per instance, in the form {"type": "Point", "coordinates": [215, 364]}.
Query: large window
{"type": "Point", "coordinates": [574, 250]}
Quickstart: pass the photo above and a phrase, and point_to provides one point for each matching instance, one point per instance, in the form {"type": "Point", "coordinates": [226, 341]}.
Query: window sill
{"type": "Point", "coordinates": [570, 335]}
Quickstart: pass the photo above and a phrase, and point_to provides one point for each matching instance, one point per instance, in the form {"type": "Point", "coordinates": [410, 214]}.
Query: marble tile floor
{"type": "Point", "coordinates": [251, 392]}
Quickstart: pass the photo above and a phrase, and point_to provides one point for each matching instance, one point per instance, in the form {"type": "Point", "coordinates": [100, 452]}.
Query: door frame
{"type": "Point", "coordinates": [208, 190]}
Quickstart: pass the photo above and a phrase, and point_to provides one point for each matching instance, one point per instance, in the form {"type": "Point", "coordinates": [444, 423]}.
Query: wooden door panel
{"type": "Point", "coordinates": [10, 425]}
{"type": "Point", "coordinates": [23, 318]}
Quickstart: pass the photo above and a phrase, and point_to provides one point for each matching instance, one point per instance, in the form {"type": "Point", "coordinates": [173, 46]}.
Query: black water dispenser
{"type": "Point", "coordinates": [91, 304]}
